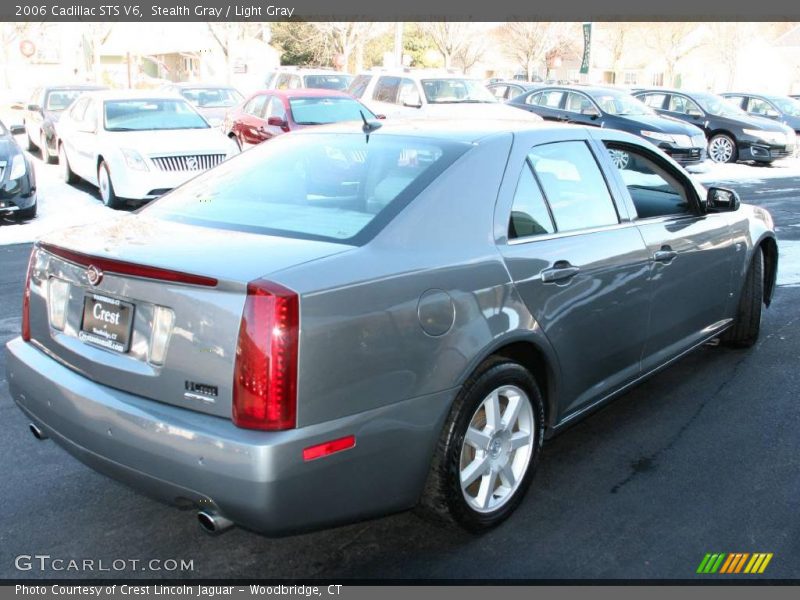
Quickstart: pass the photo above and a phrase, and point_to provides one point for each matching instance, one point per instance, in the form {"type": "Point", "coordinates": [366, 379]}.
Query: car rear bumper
{"type": "Point", "coordinates": [257, 479]}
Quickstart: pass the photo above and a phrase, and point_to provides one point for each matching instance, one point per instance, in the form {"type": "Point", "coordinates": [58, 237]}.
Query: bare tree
{"type": "Point", "coordinates": [10, 35]}
{"type": "Point", "coordinates": [529, 43]}
{"type": "Point", "coordinates": [450, 39]}
{"type": "Point", "coordinates": [673, 42]}
{"type": "Point", "coordinates": [620, 40]}
{"type": "Point", "coordinates": [472, 53]}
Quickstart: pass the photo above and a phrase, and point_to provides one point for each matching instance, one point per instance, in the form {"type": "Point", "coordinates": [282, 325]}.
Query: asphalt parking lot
{"type": "Point", "coordinates": [705, 457]}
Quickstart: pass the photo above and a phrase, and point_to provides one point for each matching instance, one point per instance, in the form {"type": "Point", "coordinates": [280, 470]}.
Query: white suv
{"type": "Point", "coordinates": [410, 93]}
{"type": "Point", "coordinates": [293, 78]}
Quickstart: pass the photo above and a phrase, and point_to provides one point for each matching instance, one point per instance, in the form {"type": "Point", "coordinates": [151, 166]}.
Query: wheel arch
{"type": "Point", "coordinates": [535, 357]}
{"type": "Point", "coordinates": [769, 247]}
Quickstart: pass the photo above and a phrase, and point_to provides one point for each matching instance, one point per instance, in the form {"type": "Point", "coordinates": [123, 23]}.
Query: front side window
{"type": "Point", "coordinates": [760, 107]}
{"type": "Point", "coordinates": [655, 191]}
{"type": "Point", "coordinates": [340, 187]}
{"type": "Point", "coordinates": [255, 106]}
{"type": "Point", "coordinates": [578, 103]}
{"type": "Point", "coordinates": [386, 89]}
{"type": "Point", "coordinates": [58, 100]}
{"type": "Point", "coordinates": [276, 108]}
{"type": "Point", "coordinates": [653, 100]}
{"type": "Point", "coordinates": [359, 85]}
{"type": "Point", "coordinates": [529, 213]}
{"type": "Point", "coordinates": [76, 113]}
{"type": "Point", "coordinates": [573, 185]}
{"type": "Point", "coordinates": [499, 91]}
{"type": "Point", "coordinates": [151, 114]}
{"type": "Point", "coordinates": [456, 91]}
{"type": "Point", "coordinates": [408, 94]}
{"type": "Point", "coordinates": [550, 99]}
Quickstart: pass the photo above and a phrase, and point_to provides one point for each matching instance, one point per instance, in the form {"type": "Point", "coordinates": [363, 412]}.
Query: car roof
{"type": "Point", "coordinates": [756, 95]}
{"type": "Point", "coordinates": [200, 86]}
{"type": "Point", "coordinates": [455, 130]}
{"type": "Point", "coordinates": [75, 86]}
{"type": "Point", "coordinates": [306, 93]}
{"type": "Point", "coordinates": [524, 84]}
{"type": "Point", "coordinates": [105, 95]}
{"type": "Point", "coordinates": [586, 89]}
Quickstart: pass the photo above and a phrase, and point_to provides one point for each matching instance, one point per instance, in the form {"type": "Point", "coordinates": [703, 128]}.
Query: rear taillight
{"type": "Point", "coordinates": [265, 374]}
{"type": "Point", "coordinates": [26, 299]}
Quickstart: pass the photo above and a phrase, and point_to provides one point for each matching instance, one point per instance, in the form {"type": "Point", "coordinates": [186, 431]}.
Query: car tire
{"type": "Point", "coordinates": [722, 149]}
{"type": "Point", "coordinates": [29, 145]}
{"type": "Point", "coordinates": [26, 214]}
{"type": "Point", "coordinates": [747, 323]}
{"type": "Point", "coordinates": [67, 174]}
{"type": "Point", "coordinates": [48, 160]}
{"type": "Point", "coordinates": [106, 187]}
{"type": "Point", "coordinates": [493, 458]}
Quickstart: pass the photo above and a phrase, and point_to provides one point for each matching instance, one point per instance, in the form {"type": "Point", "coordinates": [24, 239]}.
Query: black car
{"type": "Point", "coordinates": [17, 179]}
{"type": "Point", "coordinates": [507, 90]}
{"type": "Point", "coordinates": [41, 113]}
{"type": "Point", "coordinates": [783, 109]}
{"type": "Point", "coordinates": [615, 109]}
{"type": "Point", "coordinates": [732, 133]}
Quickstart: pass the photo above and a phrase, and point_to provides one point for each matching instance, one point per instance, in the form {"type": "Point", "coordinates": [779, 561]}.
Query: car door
{"type": "Point", "coordinates": [580, 109]}
{"type": "Point", "coordinates": [85, 140]}
{"type": "Point", "coordinates": [691, 254]}
{"type": "Point", "coordinates": [34, 113]}
{"type": "Point", "coordinates": [248, 127]}
{"type": "Point", "coordinates": [684, 108]}
{"type": "Point", "coordinates": [70, 136]}
{"type": "Point", "coordinates": [578, 263]}
{"type": "Point", "coordinates": [760, 107]}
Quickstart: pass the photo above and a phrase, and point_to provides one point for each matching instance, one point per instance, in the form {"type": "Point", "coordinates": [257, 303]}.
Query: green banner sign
{"type": "Point", "coordinates": [587, 47]}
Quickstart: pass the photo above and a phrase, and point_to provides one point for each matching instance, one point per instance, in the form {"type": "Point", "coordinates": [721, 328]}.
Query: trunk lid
{"type": "Point", "coordinates": [113, 330]}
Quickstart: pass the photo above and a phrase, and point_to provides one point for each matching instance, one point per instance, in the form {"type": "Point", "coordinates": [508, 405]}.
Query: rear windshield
{"type": "Point", "coordinates": [147, 115]}
{"type": "Point", "coordinates": [58, 100]}
{"type": "Point", "coordinates": [318, 111]}
{"type": "Point", "coordinates": [341, 187]}
{"type": "Point", "coordinates": [212, 97]}
{"type": "Point", "coordinates": [328, 82]}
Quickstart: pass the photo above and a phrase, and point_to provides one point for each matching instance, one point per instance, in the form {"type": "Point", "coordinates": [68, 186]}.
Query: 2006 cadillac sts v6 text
{"type": "Point", "coordinates": [356, 320]}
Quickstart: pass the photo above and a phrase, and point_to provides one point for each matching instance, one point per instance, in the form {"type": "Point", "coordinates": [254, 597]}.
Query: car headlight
{"type": "Point", "coordinates": [655, 135]}
{"type": "Point", "coordinates": [771, 137]}
{"type": "Point", "coordinates": [18, 167]}
{"type": "Point", "coordinates": [133, 159]}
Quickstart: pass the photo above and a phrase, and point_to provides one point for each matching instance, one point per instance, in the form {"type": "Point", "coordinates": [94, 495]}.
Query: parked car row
{"type": "Point", "coordinates": [724, 128]}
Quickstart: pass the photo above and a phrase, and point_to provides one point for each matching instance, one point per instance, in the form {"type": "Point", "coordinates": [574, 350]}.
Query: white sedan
{"type": "Point", "coordinates": [136, 145]}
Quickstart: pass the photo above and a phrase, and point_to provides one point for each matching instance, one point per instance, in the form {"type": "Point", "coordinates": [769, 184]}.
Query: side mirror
{"type": "Point", "coordinates": [722, 200]}
{"type": "Point", "coordinates": [34, 107]}
{"type": "Point", "coordinates": [276, 122]}
{"type": "Point", "coordinates": [16, 129]}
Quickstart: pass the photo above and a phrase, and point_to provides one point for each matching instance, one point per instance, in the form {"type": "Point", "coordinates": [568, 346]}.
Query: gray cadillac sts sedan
{"type": "Point", "coordinates": [351, 321]}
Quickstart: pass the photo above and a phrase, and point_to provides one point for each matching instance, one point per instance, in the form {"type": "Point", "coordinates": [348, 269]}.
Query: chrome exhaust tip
{"type": "Point", "coordinates": [213, 523]}
{"type": "Point", "coordinates": [37, 433]}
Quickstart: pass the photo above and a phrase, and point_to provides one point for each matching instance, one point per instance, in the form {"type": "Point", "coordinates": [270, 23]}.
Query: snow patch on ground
{"type": "Point", "coordinates": [709, 172]}
{"type": "Point", "coordinates": [789, 262]}
{"type": "Point", "coordinates": [60, 205]}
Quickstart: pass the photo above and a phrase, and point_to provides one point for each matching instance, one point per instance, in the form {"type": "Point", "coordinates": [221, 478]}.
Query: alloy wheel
{"type": "Point", "coordinates": [497, 449]}
{"type": "Point", "coordinates": [620, 158]}
{"type": "Point", "coordinates": [720, 149]}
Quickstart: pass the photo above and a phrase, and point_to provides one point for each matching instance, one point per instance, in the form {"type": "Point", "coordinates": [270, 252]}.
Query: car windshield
{"type": "Point", "coordinates": [211, 97]}
{"type": "Point", "coordinates": [318, 111]}
{"type": "Point", "coordinates": [787, 106]}
{"type": "Point", "coordinates": [58, 100]}
{"type": "Point", "coordinates": [341, 187]}
{"type": "Point", "coordinates": [456, 91]}
{"type": "Point", "coordinates": [150, 114]}
{"type": "Point", "coordinates": [620, 104]}
{"type": "Point", "coordinates": [328, 82]}
{"type": "Point", "coordinates": [717, 105]}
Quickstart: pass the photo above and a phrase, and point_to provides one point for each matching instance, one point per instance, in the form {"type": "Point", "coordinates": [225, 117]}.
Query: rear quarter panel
{"type": "Point", "coordinates": [362, 344]}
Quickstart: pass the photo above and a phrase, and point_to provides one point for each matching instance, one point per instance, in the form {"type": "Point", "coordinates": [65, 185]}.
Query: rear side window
{"type": "Point", "coordinates": [653, 100]}
{"type": "Point", "coordinates": [338, 187]}
{"type": "Point", "coordinates": [549, 99]}
{"type": "Point", "coordinates": [573, 185]}
{"type": "Point", "coordinates": [529, 214]}
{"type": "Point", "coordinates": [579, 103]}
{"type": "Point", "coordinates": [386, 89]}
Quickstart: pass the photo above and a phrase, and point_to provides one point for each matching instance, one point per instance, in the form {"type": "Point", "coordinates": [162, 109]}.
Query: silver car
{"type": "Point", "coordinates": [355, 320]}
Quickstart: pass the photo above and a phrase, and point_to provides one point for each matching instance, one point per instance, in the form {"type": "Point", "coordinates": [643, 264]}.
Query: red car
{"type": "Point", "coordinates": [268, 113]}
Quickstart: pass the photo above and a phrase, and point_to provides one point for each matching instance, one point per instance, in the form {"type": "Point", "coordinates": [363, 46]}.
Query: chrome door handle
{"type": "Point", "coordinates": [561, 271]}
{"type": "Point", "coordinates": [665, 255]}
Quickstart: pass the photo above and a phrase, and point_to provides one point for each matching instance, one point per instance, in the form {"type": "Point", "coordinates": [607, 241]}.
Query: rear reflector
{"type": "Point", "coordinates": [326, 448]}
{"type": "Point", "coordinates": [265, 373]}
{"type": "Point", "coordinates": [110, 265]}
{"type": "Point", "coordinates": [26, 299]}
